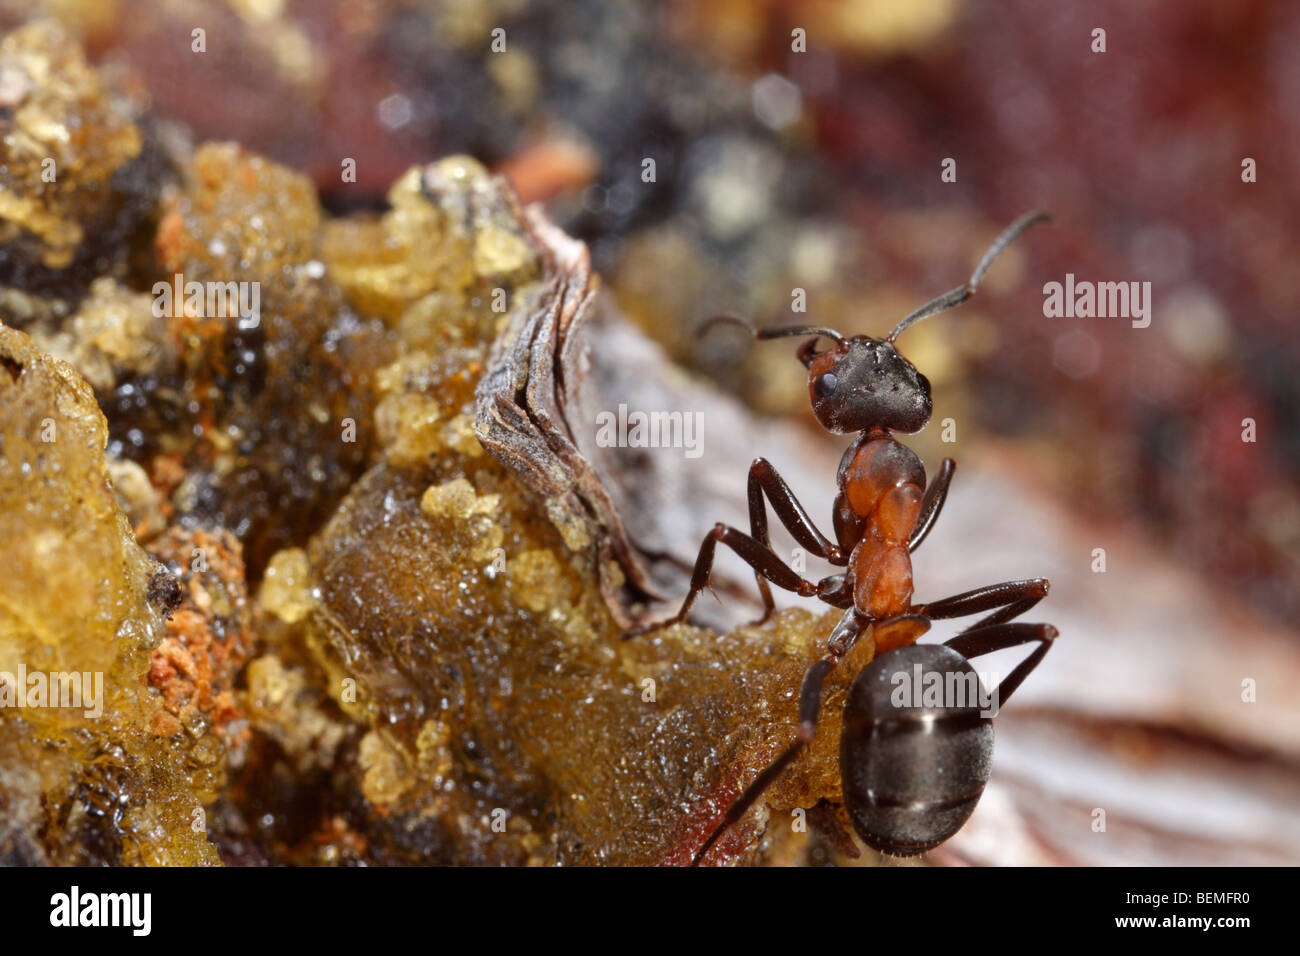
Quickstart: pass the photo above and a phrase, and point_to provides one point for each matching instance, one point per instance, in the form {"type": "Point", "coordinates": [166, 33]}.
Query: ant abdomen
{"type": "Point", "coordinates": [915, 752]}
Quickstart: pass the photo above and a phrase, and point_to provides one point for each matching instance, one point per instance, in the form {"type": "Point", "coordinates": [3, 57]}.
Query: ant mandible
{"type": "Point", "coordinates": [911, 776]}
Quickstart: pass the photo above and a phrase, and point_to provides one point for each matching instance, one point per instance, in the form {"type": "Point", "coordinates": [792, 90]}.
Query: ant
{"type": "Point", "coordinates": [911, 775]}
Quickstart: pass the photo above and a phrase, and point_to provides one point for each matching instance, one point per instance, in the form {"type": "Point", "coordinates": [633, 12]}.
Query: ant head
{"type": "Point", "coordinates": [863, 383]}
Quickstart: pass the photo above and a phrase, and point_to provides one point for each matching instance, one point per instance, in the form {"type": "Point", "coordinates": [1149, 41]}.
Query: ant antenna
{"type": "Point", "coordinates": [780, 332]}
{"type": "Point", "coordinates": [960, 294]}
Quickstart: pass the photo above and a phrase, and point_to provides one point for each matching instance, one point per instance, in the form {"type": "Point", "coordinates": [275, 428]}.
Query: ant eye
{"type": "Point", "coordinates": [825, 384]}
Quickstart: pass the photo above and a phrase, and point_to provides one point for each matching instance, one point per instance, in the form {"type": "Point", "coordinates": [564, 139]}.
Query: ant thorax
{"type": "Point", "coordinates": [882, 483]}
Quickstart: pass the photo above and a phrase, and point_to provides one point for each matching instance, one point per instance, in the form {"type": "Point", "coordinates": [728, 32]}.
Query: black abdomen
{"type": "Point", "coordinates": [915, 753]}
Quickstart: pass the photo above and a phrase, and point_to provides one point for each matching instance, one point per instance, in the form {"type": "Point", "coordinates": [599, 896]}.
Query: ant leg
{"type": "Point", "coordinates": [935, 496]}
{"type": "Point", "coordinates": [836, 591]}
{"type": "Point", "coordinates": [761, 559]}
{"type": "Point", "coordinates": [763, 479]}
{"type": "Point", "coordinates": [985, 640]}
{"type": "Point", "coordinates": [845, 635]}
{"type": "Point", "coordinates": [746, 799]}
{"type": "Point", "coordinates": [1012, 597]}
